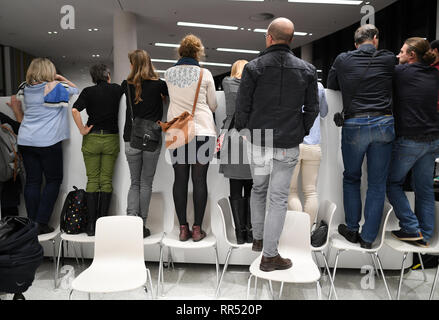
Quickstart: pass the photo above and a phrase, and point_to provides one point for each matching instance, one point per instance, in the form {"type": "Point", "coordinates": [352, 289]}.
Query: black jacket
{"type": "Point", "coordinates": [416, 89]}
{"type": "Point", "coordinates": [274, 88]}
{"type": "Point", "coordinates": [374, 93]}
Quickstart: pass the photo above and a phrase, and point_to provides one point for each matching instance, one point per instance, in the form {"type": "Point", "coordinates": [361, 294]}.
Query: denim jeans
{"type": "Point", "coordinates": [271, 168]}
{"type": "Point", "coordinates": [420, 158]}
{"type": "Point", "coordinates": [371, 137]}
{"type": "Point", "coordinates": [39, 161]}
{"type": "Point", "coordinates": [142, 166]}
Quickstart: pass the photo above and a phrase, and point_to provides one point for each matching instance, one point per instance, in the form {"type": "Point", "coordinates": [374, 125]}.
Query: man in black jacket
{"type": "Point", "coordinates": [364, 77]}
{"type": "Point", "coordinates": [274, 89]}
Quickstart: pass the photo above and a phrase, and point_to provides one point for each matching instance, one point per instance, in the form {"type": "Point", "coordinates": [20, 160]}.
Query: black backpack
{"type": "Point", "coordinates": [74, 212]}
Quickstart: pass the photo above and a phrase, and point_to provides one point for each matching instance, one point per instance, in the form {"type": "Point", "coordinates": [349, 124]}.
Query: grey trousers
{"type": "Point", "coordinates": [272, 169]}
{"type": "Point", "coordinates": [142, 166]}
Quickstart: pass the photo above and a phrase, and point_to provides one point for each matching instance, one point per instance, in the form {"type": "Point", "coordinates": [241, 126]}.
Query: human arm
{"type": "Point", "coordinates": [84, 130]}
{"type": "Point", "coordinates": [211, 92]}
{"type": "Point", "coordinates": [16, 107]}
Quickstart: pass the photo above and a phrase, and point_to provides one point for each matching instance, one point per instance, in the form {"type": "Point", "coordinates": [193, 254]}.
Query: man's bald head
{"type": "Point", "coordinates": [281, 30]}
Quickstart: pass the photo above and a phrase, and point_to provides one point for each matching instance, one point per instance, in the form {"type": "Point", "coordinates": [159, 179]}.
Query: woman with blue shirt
{"type": "Point", "coordinates": [45, 125]}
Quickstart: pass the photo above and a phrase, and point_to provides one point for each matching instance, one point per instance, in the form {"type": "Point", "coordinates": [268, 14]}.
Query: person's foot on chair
{"type": "Point", "coordinates": [146, 232]}
{"type": "Point", "coordinates": [422, 243]}
{"type": "Point", "coordinates": [274, 263]}
{"type": "Point", "coordinates": [364, 244]}
{"type": "Point", "coordinates": [405, 236]}
{"type": "Point", "coordinates": [44, 228]}
{"type": "Point", "coordinates": [185, 233]}
{"type": "Point", "coordinates": [351, 236]}
{"type": "Point", "coordinates": [197, 233]}
{"type": "Point", "coordinates": [257, 245]}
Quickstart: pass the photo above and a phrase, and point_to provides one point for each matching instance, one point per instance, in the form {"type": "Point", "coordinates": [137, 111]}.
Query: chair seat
{"type": "Point", "coordinates": [340, 243]}
{"type": "Point", "coordinates": [239, 246]}
{"type": "Point", "coordinates": [322, 248]}
{"type": "Point", "coordinates": [49, 236]}
{"type": "Point", "coordinates": [82, 238]}
{"type": "Point", "coordinates": [304, 270]}
{"type": "Point", "coordinates": [171, 240]}
{"type": "Point", "coordinates": [402, 246]}
{"type": "Point", "coordinates": [155, 238]}
{"type": "Point", "coordinates": [123, 278]}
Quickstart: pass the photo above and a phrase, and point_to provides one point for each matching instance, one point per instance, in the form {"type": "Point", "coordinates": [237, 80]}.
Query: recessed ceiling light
{"type": "Point", "coordinates": [348, 2]}
{"type": "Point", "coordinates": [170, 45]}
{"type": "Point", "coordinates": [55, 32]}
{"type": "Point", "coordinates": [204, 25]}
{"type": "Point", "coordinates": [238, 50]}
{"type": "Point", "coordinates": [95, 29]}
{"type": "Point", "coordinates": [50, 32]}
{"type": "Point", "coordinates": [90, 30]}
{"type": "Point", "coordinates": [296, 33]}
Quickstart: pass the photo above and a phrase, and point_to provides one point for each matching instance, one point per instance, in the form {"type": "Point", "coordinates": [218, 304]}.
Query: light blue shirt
{"type": "Point", "coordinates": [314, 134]}
{"type": "Point", "coordinates": [42, 125]}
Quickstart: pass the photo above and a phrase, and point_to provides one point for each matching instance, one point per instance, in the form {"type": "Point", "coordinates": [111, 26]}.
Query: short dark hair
{"type": "Point", "coordinates": [365, 33]}
{"type": "Point", "coordinates": [434, 44]}
{"type": "Point", "coordinates": [99, 72]}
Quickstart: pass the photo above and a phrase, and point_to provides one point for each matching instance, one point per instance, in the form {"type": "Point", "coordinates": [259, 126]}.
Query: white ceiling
{"type": "Point", "coordinates": [24, 24]}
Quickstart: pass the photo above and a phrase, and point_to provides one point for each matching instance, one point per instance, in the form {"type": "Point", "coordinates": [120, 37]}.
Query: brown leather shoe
{"type": "Point", "coordinates": [197, 233]}
{"type": "Point", "coordinates": [185, 233]}
{"type": "Point", "coordinates": [275, 263]}
{"type": "Point", "coordinates": [257, 245]}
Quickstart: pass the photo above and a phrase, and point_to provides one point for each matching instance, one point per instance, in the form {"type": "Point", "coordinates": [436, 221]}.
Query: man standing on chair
{"type": "Point", "coordinates": [364, 77]}
{"type": "Point", "coordinates": [273, 89]}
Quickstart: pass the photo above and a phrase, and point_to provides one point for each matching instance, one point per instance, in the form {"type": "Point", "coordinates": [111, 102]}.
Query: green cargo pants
{"type": "Point", "coordinates": [100, 152]}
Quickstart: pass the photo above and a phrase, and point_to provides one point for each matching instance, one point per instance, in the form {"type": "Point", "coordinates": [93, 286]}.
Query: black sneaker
{"type": "Point", "coordinates": [422, 243]}
{"type": "Point", "coordinates": [146, 232]}
{"type": "Point", "coordinates": [351, 236]}
{"type": "Point", "coordinates": [404, 236]}
{"type": "Point", "coordinates": [364, 244]}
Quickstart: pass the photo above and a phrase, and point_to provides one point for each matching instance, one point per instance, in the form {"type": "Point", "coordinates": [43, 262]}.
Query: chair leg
{"type": "Point", "coordinates": [248, 285]}
{"type": "Point", "coordinates": [70, 294]}
{"type": "Point", "coordinates": [148, 275]}
{"type": "Point", "coordinates": [61, 243]}
{"type": "Point", "coordinates": [75, 253]}
{"type": "Point", "coordinates": [434, 283]}
{"type": "Point", "coordinates": [89, 296]}
{"type": "Point", "coordinates": [329, 274]}
{"type": "Point", "coordinates": [333, 273]}
{"type": "Point", "coordinates": [382, 274]}
{"type": "Point", "coordinates": [398, 294]}
{"type": "Point", "coordinates": [226, 264]}
{"type": "Point", "coordinates": [82, 254]}
{"type": "Point", "coordinates": [159, 278]}
{"type": "Point", "coordinates": [319, 290]}
{"type": "Point", "coordinates": [256, 287]}
{"type": "Point", "coordinates": [375, 265]}
{"type": "Point", "coordinates": [422, 266]}
{"type": "Point", "coordinates": [271, 289]}
{"type": "Point", "coordinates": [217, 267]}
{"type": "Point", "coordinates": [54, 261]}
{"type": "Point", "coordinates": [281, 290]}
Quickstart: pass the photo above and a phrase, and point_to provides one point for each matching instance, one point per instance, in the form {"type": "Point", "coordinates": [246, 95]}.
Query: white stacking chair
{"type": "Point", "coordinates": [341, 244]}
{"type": "Point", "coordinates": [155, 221]}
{"type": "Point", "coordinates": [326, 213]}
{"type": "Point", "coordinates": [226, 218]}
{"type": "Point", "coordinates": [118, 263]}
{"type": "Point", "coordinates": [295, 244]}
{"type": "Point", "coordinates": [406, 248]}
{"type": "Point", "coordinates": [51, 237]}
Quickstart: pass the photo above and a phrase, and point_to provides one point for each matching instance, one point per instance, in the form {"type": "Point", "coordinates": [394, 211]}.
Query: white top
{"type": "Point", "coordinates": [182, 84]}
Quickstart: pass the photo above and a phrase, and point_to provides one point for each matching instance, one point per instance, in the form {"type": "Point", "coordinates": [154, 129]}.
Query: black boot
{"type": "Point", "coordinates": [104, 204]}
{"type": "Point", "coordinates": [248, 221]}
{"type": "Point", "coordinates": [92, 199]}
{"type": "Point", "coordinates": [237, 206]}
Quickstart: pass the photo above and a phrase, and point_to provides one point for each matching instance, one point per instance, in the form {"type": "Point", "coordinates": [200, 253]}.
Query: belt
{"type": "Point", "coordinates": [99, 131]}
{"type": "Point", "coordinates": [367, 114]}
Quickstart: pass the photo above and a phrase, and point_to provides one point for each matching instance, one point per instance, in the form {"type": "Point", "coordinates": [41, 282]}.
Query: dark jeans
{"type": "Point", "coordinates": [39, 161]}
{"type": "Point", "coordinates": [371, 137]}
{"type": "Point", "coordinates": [420, 158]}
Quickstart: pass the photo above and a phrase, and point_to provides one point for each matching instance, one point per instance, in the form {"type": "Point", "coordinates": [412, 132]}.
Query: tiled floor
{"type": "Point", "coordinates": [197, 282]}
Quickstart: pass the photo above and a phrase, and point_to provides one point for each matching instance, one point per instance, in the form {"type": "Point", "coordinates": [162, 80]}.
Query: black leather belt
{"type": "Point", "coordinates": [99, 131]}
{"type": "Point", "coordinates": [367, 115]}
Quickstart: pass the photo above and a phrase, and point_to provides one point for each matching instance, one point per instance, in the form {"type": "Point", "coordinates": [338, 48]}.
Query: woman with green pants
{"type": "Point", "coordinates": [100, 145]}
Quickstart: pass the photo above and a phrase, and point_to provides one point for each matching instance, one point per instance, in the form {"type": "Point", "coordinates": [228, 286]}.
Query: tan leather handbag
{"type": "Point", "coordinates": [181, 130]}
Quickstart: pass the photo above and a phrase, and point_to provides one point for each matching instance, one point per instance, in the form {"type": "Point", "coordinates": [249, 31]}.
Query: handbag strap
{"type": "Point", "coordinates": [198, 91]}
{"type": "Point", "coordinates": [130, 102]}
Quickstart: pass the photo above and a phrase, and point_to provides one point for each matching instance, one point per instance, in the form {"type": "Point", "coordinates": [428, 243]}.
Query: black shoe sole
{"type": "Point", "coordinates": [407, 239]}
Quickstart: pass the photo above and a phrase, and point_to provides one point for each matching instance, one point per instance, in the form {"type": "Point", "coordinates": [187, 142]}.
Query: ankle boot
{"type": "Point", "coordinates": [92, 199]}
{"type": "Point", "coordinates": [248, 222]}
{"type": "Point", "coordinates": [104, 204]}
{"type": "Point", "coordinates": [238, 214]}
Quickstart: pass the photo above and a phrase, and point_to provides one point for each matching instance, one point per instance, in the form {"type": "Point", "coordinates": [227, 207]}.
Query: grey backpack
{"type": "Point", "coordinates": [11, 164]}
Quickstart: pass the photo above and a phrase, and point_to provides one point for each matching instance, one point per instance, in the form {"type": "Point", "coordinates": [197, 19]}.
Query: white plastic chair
{"type": "Point", "coordinates": [225, 214]}
{"type": "Point", "coordinates": [119, 263]}
{"type": "Point", "coordinates": [171, 241]}
{"type": "Point", "coordinates": [407, 248]}
{"type": "Point", "coordinates": [326, 213]}
{"type": "Point", "coordinates": [51, 237]}
{"type": "Point", "coordinates": [295, 244]}
{"type": "Point", "coordinates": [155, 221]}
{"type": "Point", "coordinates": [341, 244]}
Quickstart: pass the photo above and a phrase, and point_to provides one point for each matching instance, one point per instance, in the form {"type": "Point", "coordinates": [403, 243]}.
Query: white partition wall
{"type": "Point", "coordinates": [330, 187]}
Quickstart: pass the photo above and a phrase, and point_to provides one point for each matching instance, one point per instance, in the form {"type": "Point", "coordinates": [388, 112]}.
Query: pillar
{"type": "Point", "coordinates": [307, 52]}
{"type": "Point", "coordinates": [124, 41]}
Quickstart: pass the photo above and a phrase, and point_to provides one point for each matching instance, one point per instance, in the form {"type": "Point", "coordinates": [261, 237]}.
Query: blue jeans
{"type": "Point", "coordinates": [419, 156]}
{"type": "Point", "coordinates": [371, 137]}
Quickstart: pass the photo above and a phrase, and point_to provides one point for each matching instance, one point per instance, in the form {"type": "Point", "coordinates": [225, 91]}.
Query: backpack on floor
{"type": "Point", "coordinates": [74, 212]}
{"type": "Point", "coordinates": [11, 163]}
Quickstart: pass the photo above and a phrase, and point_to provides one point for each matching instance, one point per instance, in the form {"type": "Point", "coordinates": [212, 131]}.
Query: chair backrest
{"type": "Point", "coordinates": [119, 236]}
{"type": "Point", "coordinates": [296, 234]}
{"type": "Point", "coordinates": [225, 213]}
{"type": "Point", "coordinates": [326, 213]}
{"type": "Point", "coordinates": [387, 211]}
{"type": "Point", "coordinates": [155, 218]}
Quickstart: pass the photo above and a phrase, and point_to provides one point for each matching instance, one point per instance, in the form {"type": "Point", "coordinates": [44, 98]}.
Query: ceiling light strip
{"type": "Point", "coordinates": [346, 2]}
{"type": "Point", "coordinates": [238, 50]}
{"type": "Point", "coordinates": [296, 33]}
{"type": "Point", "coordinates": [204, 25]}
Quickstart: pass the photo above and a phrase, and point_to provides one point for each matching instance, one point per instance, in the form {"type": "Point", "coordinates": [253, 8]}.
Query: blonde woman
{"type": "Point", "coordinates": [45, 125]}
{"type": "Point", "coordinates": [193, 158]}
{"type": "Point", "coordinates": [234, 166]}
{"type": "Point", "coordinates": [147, 91]}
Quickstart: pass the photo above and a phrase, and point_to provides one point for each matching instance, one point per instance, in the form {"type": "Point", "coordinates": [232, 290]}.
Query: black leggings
{"type": "Point", "coordinates": [236, 187]}
{"type": "Point", "coordinates": [180, 190]}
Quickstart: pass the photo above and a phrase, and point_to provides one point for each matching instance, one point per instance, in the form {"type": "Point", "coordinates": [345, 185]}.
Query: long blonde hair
{"type": "Point", "coordinates": [142, 70]}
{"type": "Point", "coordinates": [237, 69]}
{"type": "Point", "coordinates": [40, 70]}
